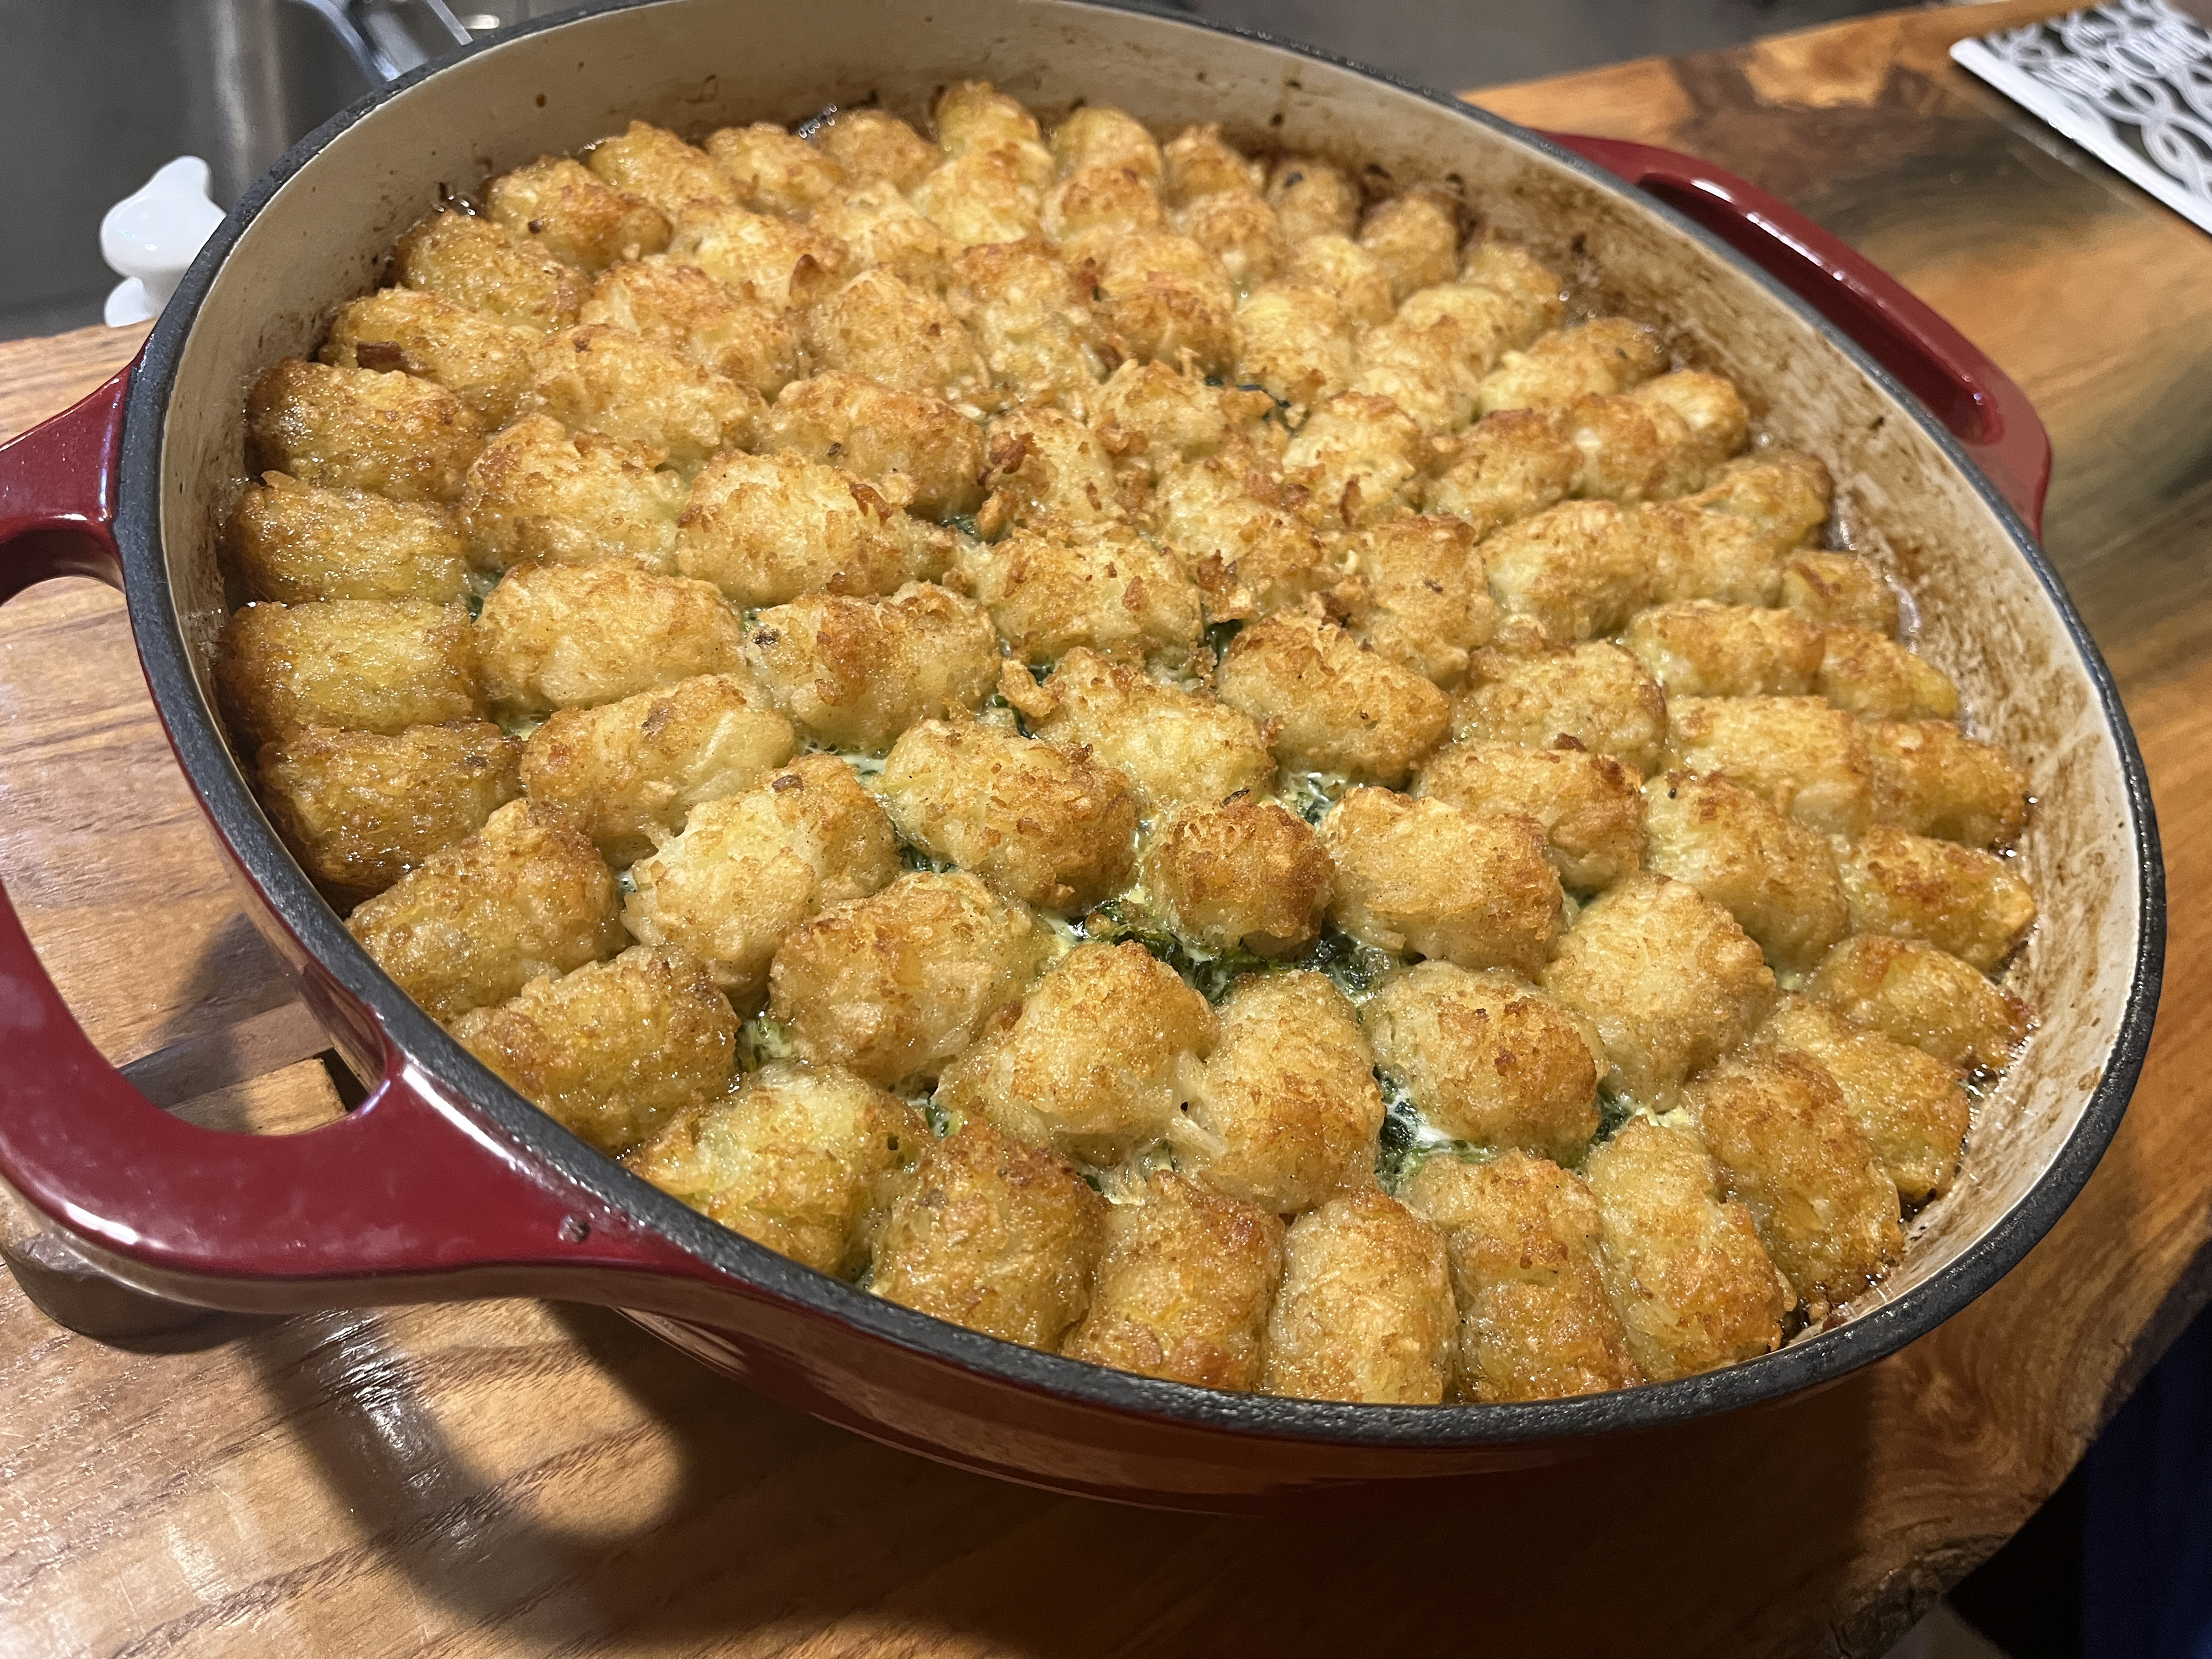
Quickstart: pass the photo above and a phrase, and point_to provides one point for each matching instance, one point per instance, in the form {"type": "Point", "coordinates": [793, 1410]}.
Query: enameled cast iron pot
{"type": "Point", "coordinates": [446, 1184]}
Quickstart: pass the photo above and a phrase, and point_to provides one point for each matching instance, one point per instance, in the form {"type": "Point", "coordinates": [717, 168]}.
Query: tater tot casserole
{"type": "Point", "coordinates": [1155, 750]}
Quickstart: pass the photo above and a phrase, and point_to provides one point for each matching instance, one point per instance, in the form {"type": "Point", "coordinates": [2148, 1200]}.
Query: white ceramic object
{"type": "Point", "coordinates": [151, 235]}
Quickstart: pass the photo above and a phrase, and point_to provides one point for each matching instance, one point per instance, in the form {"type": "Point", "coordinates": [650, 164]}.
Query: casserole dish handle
{"type": "Point", "coordinates": [408, 1197]}
{"type": "Point", "coordinates": [1989, 416]}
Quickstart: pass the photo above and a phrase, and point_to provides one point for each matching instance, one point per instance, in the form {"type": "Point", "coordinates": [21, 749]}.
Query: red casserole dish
{"type": "Point", "coordinates": [446, 1184]}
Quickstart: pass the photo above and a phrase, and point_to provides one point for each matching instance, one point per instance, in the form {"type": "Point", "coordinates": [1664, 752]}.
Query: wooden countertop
{"type": "Point", "coordinates": [518, 1477]}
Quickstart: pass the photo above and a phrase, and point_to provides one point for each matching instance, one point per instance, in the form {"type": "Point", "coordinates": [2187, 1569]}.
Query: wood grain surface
{"type": "Point", "coordinates": [524, 1479]}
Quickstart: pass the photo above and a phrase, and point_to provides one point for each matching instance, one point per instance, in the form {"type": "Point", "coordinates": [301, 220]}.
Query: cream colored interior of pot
{"type": "Point", "coordinates": [695, 63]}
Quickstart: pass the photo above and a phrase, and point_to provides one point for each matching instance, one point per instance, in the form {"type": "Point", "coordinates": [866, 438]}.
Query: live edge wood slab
{"type": "Point", "coordinates": [523, 1479]}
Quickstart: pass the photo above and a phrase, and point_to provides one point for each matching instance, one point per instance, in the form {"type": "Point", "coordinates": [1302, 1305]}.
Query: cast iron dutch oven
{"type": "Point", "coordinates": [446, 1184]}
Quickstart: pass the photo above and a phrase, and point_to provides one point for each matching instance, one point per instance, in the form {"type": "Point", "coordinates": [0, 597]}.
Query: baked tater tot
{"type": "Point", "coordinates": [1715, 423]}
{"type": "Point", "coordinates": [474, 922]}
{"type": "Point", "coordinates": [924, 454]}
{"type": "Point", "coordinates": [1667, 976]}
{"type": "Point", "coordinates": [896, 984]}
{"type": "Point", "coordinates": [611, 1050]}
{"type": "Point", "coordinates": [1245, 875]}
{"type": "Point", "coordinates": [626, 773]}
{"type": "Point", "coordinates": [1960, 899]}
{"type": "Point", "coordinates": [1200, 162]}
{"type": "Point", "coordinates": [1878, 680]}
{"type": "Point", "coordinates": [772, 171]}
{"type": "Point", "coordinates": [1031, 319]}
{"type": "Point", "coordinates": [476, 263]}
{"type": "Point", "coordinates": [1721, 556]}
{"type": "Point", "coordinates": [1173, 746]}
{"type": "Point", "coordinates": [1357, 455]}
{"type": "Point", "coordinates": [557, 203]}
{"type": "Point", "coordinates": [1828, 589]}
{"type": "Point", "coordinates": [1293, 340]}
{"type": "Point", "coordinates": [484, 362]}
{"type": "Point", "coordinates": [1152, 419]}
{"type": "Point", "coordinates": [1932, 779]}
{"type": "Point", "coordinates": [539, 495]}
{"type": "Point", "coordinates": [1791, 1153]}
{"type": "Point", "coordinates": [1365, 1311]}
{"type": "Point", "coordinates": [655, 165]}
{"type": "Point", "coordinates": [804, 1160]}
{"type": "Point", "coordinates": [1287, 1109]}
{"type": "Point", "coordinates": [1342, 269]}
{"type": "Point", "coordinates": [1782, 494]}
{"type": "Point", "coordinates": [1415, 237]}
{"type": "Point", "coordinates": [295, 543]}
{"type": "Point", "coordinates": [885, 329]}
{"type": "Point", "coordinates": [1423, 878]}
{"type": "Point", "coordinates": [994, 1235]}
{"type": "Point", "coordinates": [882, 230]}
{"type": "Point", "coordinates": [1694, 1287]}
{"type": "Point", "coordinates": [749, 868]}
{"type": "Point", "coordinates": [683, 308]}
{"type": "Point", "coordinates": [1060, 586]}
{"type": "Point", "coordinates": [1043, 463]}
{"type": "Point", "coordinates": [1312, 197]}
{"type": "Point", "coordinates": [974, 115]}
{"type": "Point", "coordinates": [355, 429]}
{"type": "Point", "coordinates": [1488, 1057]}
{"type": "Point", "coordinates": [1508, 466]}
{"type": "Point", "coordinates": [598, 377]}
{"type": "Point", "coordinates": [1593, 693]}
{"type": "Point", "coordinates": [1521, 1235]}
{"type": "Point", "coordinates": [1581, 568]}
{"type": "Point", "coordinates": [981, 198]}
{"type": "Point", "coordinates": [1337, 706]}
{"type": "Point", "coordinates": [1610, 354]}
{"type": "Point", "coordinates": [854, 673]}
{"type": "Point", "coordinates": [1049, 826]}
{"type": "Point", "coordinates": [1913, 993]}
{"type": "Point", "coordinates": [359, 809]}
{"type": "Point", "coordinates": [1163, 295]}
{"type": "Point", "coordinates": [1774, 875]}
{"type": "Point", "coordinates": [1100, 136]}
{"type": "Point", "coordinates": [1426, 604]}
{"type": "Point", "coordinates": [358, 664]}
{"type": "Point", "coordinates": [1230, 521]}
{"type": "Point", "coordinates": [1807, 757]}
{"type": "Point", "coordinates": [765, 529]}
{"type": "Point", "coordinates": [1092, 1062]}
{"type": "Point", "coordinates": [1511, 272]}
{"type": "Point", "coordinates": [1696, 648]}
{"type": "Point", "coordinates": [1908, 1104]}
{"type": "Point", "coordinates": [559, 636]}
{"type": "Point", "coordinates": [1631, 451]}
{"type": "Point", "coordinates": [1590, 807]}
{"type": "Point", "coordinates": [1239, 229]}
{"type": "Point", "coordinates": [1091, 207]}
{"type": "Point", "coordinates": [1183, 1287]}
{"type": "Point", "coordinates": [777, 263]}
{"type": "Point", "coordinates": [1430, 367]}
{"type": "Point", "coordinates": [873, 144]}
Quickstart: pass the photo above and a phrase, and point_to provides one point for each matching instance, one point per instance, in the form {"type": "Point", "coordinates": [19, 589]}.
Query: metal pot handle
{"type": "Point", "coordinates": [1989, 416]}
{"type": "Point", "coordinates": [408, 1198]}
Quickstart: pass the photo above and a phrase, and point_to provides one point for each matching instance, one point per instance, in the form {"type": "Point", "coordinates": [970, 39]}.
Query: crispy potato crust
{"type": "Point", "coordinates": [1913, 993]}
{"type": "Point", "coordinates": [1231, 521]}
{"type": "Point", "coordinates": [598, 377]}
{"type": "Point", "coordinates": [895, 985]}
{"type": "Point", "coordinates": [627, 773]}
{"type": "Point", "coordinates": [1183, 1287]}
{"type": "Point", "coordinates": [1041, 465]}
{"type": "Point", "coordinates": [1287, 1110]}
{"type": "Point", "coordinates": [773, 172]}
{"type": "Point", "coordinates": [1200, 162]}
{"type": "Point", "coordinates": [1358, 456]}
{"type": "Point", "coordinates": [1032, 319]}
{"type": "Point", "coordinates": [355, 428]}
{"type": "Point", "coordinates": [558, 205]}
{"type": "Point", "coordinates": [749, 868]}
{"type": "Point", "coordinates": [558, 637]}
{"type": "Point", "coordinates": [1365, 1312]}
{"type": "Point", "coordinates": [994, 1235]}
{"type": "Point", "coordinates": [1425, 879]}
{"type": "Point", "coordinates": [360, 809]}
{"type": "Point", "coordinates": [1488, 1059]}
{"type": "Point", "coordinates": [358, 664]}
{"type": "Point", "coordinates": [1243, 875]}
{"type": "Point", "coordinates": [475, 263]}
{"type": "Point", "coordinates": [1593, 693]}
{"type": "Point", "coordinates": [1960, 899]}
{"type": "Point", "coordinates": [1878, 680]}
{"type": "Point", "coordinates": [1668, 978]}
{"type": "Point", "coordinates": [295, 543]}
{"type": "Point", "coordinates": [1335, 705]}
{"type": "Point", "coordinates": [476, 921]}
{"type": "Point", "coordinates": [1049, 826]}
{"type": "Point", "coordinates": [1828, 589]}
{"type": "Point", "coordinates": [766, 529]}
{"type": "Point", "coordinates": [1696, 648]}
{"type": "Point", "coordinates": [614, 1049]}
{"type": "Point", "coordinates": [1774, 875]}
{"type": "Point", "coordinates": [804, 1160]}
{"type": "Point", "coordinates": [1908, 1104]}
{"type": "Point", "coordinates": [1175, 747]}
{"type": "Point", "coordinates": [1342, 269]}
{"type": "Point", "coordinates": [1415, 238]}
{"type": "Point", "coordinates": [1294, 340]}
{"type": "Point", "coordinates": [1312, 197]}
{"type": "Point", "coordinates": [875, 144]}
{"type": "Point", "coordinates": [1694, 1287]}
{"type": "Point", "coordinates": [1507, 467]}
{"type": "Point", "coordinates": [1060, 586]}
{"type": "Point", "coordinates": [1589, 806]}
{"type": "Point", "coordinates": [655, 165]}
{"type": "Point", "coordinates": [1581, 568]}
{"type": "Point", "coordinates": [484, 362]}
{"type": "Point", "coordinates": [1806, 757]}
{"type": "Point", "coordinates": [1094, 1062]}
{"type": "Point", "coordinates": [924, 454]}
{"type": "Point", "coordinates": [885, 329]}
{"type": "Point", "coordinates": [1426, 604]}
{"type": "Point", "coordinates": [1522, 1236]}
{"type": "Point", "coordinates": [777, 263]}
{"type": "Point", "coordinates": [1610, 353]}
{"type": "Point", "coordinates": [1932, 779]}
{"type": "Point", "coordinates": [854, 673]}
{"type": "Point", "coordinates": [1163, 295]}
{"type": "Point", "coordinates": [540, 494]}
{"type": "Point", "coordinates": [1506, 269]}
{"type": "Point", "coordinates": [683, 309]}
